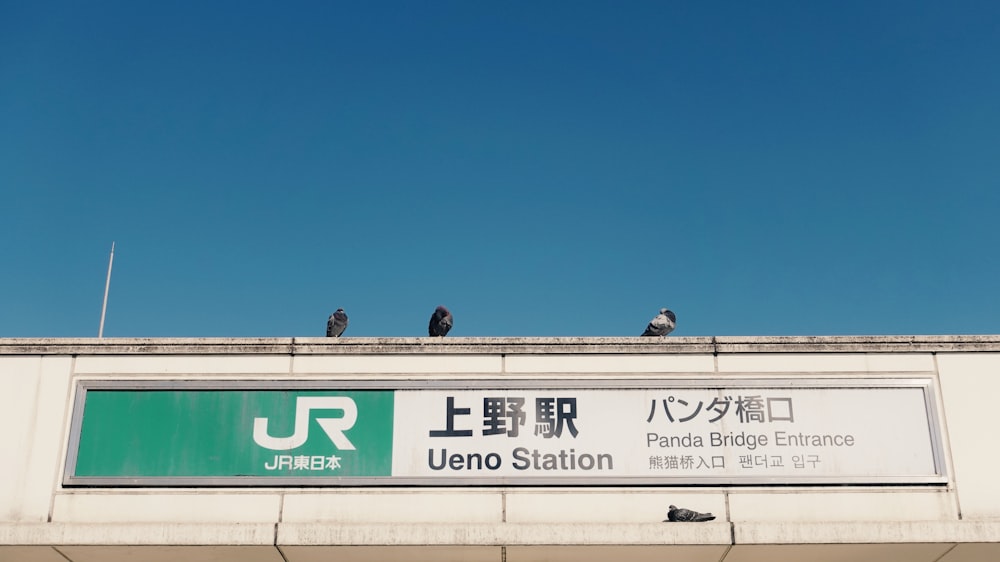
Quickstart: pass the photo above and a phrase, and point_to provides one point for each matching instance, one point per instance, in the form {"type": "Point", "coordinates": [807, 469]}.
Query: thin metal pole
{"type": "Point", "coordinates": [107, 285]}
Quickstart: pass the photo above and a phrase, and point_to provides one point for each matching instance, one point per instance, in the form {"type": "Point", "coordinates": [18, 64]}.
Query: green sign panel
{"type": "Point", "coordinates": [178, 434]}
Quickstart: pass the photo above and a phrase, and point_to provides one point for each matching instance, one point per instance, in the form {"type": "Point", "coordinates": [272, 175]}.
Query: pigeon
{"type": "Point", "coordinates": [441, 322]}
{"type": "Point", "coordinates": [336, 324]}
{"type": "Point", "coordinates": [680, 514]}
{"type": "Point", "coordinates": [662, 325]}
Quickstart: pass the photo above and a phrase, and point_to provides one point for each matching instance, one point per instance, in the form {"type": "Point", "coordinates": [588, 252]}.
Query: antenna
{"type": "Point", "coordinates": [107, 285]}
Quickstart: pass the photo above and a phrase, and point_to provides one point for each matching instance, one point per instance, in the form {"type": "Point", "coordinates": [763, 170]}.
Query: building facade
{"type": "Point", "coordinates": [500, 449]}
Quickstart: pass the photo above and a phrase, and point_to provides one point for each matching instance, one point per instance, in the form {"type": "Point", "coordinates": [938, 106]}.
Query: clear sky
{"type": "Point", "coordinates": [541, 168]}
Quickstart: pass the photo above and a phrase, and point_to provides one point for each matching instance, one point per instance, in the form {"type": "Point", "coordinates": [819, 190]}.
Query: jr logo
{"type": "Point", "coordinates": [334, 427]}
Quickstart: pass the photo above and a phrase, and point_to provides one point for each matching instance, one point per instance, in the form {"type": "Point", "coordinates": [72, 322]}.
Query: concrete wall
{"type": "Point", "coordinates": [37, 379]}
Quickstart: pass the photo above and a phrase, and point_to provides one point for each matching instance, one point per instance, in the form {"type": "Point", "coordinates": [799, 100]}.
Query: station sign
{"type": "Point", "coordinates": [516, 432]}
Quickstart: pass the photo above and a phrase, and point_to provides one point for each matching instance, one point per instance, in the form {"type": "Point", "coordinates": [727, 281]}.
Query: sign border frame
{"type": "Point", "coordinates": [925, 382]}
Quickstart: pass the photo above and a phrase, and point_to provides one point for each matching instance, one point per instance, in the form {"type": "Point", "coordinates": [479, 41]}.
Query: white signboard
{"type": "Point", "coordinates": [553, 432]}
{"type": "Point", "coordinates": [732, 432]}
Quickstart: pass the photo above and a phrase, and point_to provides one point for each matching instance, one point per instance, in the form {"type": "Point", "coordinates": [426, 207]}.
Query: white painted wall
{"type": "Point", "coordinates": [34, 399]}
{"type": "Point", "coordinates": [970, 390]}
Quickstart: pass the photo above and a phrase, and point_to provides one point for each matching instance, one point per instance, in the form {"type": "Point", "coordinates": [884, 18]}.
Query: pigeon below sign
{"type": "Point", "coordinates": [336, 323]}
{"type": "Point", "coordinates": [679, 514]}
{"type": "Point", "coordinates": [440, 324]}
{"type": "Point", "coordinates": [662, 324]}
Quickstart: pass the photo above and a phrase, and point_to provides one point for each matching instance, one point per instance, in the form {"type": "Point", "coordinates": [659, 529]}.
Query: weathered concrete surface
{"type": "Point", "coordinates": [151, 346]}
{"type": "Point", "coordinates": [788, 541]}
{"type": "Point", "coordinates": [30, 534]}
{"type": "Point", "coordinates": [870, 532]}
{"type": "Point", "coordinates": [504, 534]}
{"type": "Point", "coordinates": [490, 345]}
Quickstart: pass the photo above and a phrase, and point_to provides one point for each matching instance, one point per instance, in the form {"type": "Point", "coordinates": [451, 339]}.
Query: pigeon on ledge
{"type": "Point", "coordinates": [680, 514]}
{"type": "Point", "coordinates": [662, 325]}
{"type": "Point", "coordinates": [336, 323]}
{"type": "Point", "coordinates": [440, 324]}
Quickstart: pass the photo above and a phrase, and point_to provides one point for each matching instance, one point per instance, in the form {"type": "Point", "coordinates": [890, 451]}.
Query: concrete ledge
{"type": "Point", "coordinates": [862, 344]}
{"type": "Point", "coordinates": [867, 532]}
{"type": "Point", "coordinates": [507, 345]}
{"type": "Point", "coordinates": [507, 534]}
{"type": "Point", "coordinates": [448, 508]}
{"type": "Point", "coordinates": [28, 534]}
{"type": "Point", "coordinates": [144, 346]}
{"type": "Point", "coordinates": [842, 506]}
{"type": "Point", "coordinates": [502, 534]}
{"type": "Point", "coordinates": [82, 507]}
{"type": "Point", "coordinates": [511, 346]}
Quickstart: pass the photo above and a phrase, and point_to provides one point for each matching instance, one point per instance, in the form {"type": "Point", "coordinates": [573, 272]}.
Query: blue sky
{"type": "Point", "coordinates": [541, 168]}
